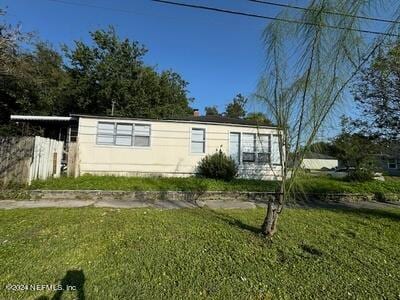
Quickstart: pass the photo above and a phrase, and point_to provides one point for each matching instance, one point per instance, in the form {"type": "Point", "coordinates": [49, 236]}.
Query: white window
{"type": "Point", "coordinates": [248, 147]}
{"type": "Point", "coordinates": [142, 135]}
{"type": "Point", "coordinates": [392, 164]}
{"type": "Point", "coordinates": [275, 153]}
{"type": "Point", "coordinates": [105, 133]}
{"type": "Point", "coordinates": [263, 149]}
{"type": "Point", "coordinates": [198, 140]}
{"type": "Point", "coordinates": [234, 146]}
{"type": "Point", "coordinates": [123, 135]}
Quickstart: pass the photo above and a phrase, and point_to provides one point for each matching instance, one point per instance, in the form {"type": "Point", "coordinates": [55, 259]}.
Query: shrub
{"type": "Point", "coordinates": [217, 166]}
{"type": "Point", "coordinates": [360, 175]}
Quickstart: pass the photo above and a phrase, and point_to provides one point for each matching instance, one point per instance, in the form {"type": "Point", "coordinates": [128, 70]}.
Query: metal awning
{"type": "Point", "coordinates": [41, 118]}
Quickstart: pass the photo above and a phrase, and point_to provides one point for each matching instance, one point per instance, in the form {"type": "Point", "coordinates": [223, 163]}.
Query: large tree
{"type": "Point", "coordinates": [309, 65]}
{"type": "Point", "coordinates": [111, 73]}
{"type": "Point", "coordinates": [378, 94]}
{"type": "Point", "coordinates": [28, 79]}
{"type": "Point", "coordinates": [35, 84]}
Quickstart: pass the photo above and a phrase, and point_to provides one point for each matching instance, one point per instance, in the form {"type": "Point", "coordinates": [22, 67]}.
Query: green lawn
{"type": "Point", "coordinates": [330, 185]}
{"type": "Point", "coordinates": [308, 184]}
{"type": "Point", "coordinates": [199, 254]}
{"type": "Point", "coordinates": [152, 184]}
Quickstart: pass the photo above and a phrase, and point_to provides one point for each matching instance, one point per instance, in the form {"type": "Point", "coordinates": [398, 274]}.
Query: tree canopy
{"type": "Point", "coordinates": [86, 78]}
{"type": "Point", "coordinates": [259, 118]}
{"type": "Point", "coordinates": [378, 94]}
{"type": "Point", "coordinates": [237, 108]}
{"type": "Point", "coordinates": [211, 111]}
{"type": "Point", "coordinates": [112, 70]}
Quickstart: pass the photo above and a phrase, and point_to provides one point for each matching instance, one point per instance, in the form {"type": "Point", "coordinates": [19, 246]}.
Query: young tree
{"type": "Point", "coordinates": [378, 94]}
{"type": "Point", "coordinates": [309, 66]}
{"type": "Point", "coordinates": [211, 110]}
{"type": "Point", "coordinates": [237, 108]}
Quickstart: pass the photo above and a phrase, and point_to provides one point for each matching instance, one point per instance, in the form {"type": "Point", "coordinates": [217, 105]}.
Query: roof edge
{"type": "Point", "coordinates": [171, 120]}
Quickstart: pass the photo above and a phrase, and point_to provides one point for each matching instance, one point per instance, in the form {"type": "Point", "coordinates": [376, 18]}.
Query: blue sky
{"type": "Point", "coordinates": [219, 55]}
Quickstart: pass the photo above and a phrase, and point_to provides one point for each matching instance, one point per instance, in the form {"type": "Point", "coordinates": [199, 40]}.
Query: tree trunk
{"type": "Point", "coordinates": [275, 206]}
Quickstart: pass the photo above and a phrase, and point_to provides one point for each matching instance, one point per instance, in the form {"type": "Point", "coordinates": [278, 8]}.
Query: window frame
{"type": "Point", "coordinates": [268, 152]}
{"type": "Point", "coordinates": [279, 152]}
{"type": "Point", "coordinates": [204, 142]}
{"type": "Point", "coordinates": [254, 148]}
{"type": "Point", "coordinates": [240, 145]}
{"type": "Point", "coordinates": [114, 135]}
{"type": "Point", "coordinates": [394, 162]}
{"type": "Point", "coordinates": [257, 152]}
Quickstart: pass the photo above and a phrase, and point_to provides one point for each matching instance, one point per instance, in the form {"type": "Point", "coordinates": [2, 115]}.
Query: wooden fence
{"type": "Point", "coordinates": [23, 159]}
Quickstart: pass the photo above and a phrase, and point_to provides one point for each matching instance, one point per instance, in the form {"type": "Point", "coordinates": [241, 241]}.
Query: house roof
{"type": "Point", "coordinates": [221, 119]}
{"type": "Point", "coordinates": [314, 155]}
{"type": "Point", "coordinates": [189, 119]}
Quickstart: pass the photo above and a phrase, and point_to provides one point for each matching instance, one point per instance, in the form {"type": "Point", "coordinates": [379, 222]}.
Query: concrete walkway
{"type": "Point", "coordinates": [175, 204]}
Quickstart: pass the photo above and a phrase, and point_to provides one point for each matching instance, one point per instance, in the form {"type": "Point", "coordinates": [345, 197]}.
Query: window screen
{"type": "Point", "coordinates": [142, 135]}
{"type": "Point", "coordinates": [105, 133]}
{"type": "Point", "coordinates": [275, 153]}
{"type": "Point", "coordinates": [263, 148]}
{"type": "Point", "coordinates": [249, 147]}
{"type": "Point", "coordinates": [234, 146]}
{"type": "Point", "coordinates": [123, 135]}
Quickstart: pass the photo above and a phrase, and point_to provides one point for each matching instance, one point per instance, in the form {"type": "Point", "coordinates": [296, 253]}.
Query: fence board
{"type": "Point", "coordinates": [24, 159]}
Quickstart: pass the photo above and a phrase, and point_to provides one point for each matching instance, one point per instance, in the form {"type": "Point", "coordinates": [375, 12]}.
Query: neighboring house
{"type": "Point", "coordinates": [317, 161]}
{"type": "Point", "coordinates": [173, 147]}
{"type": "Point", "coordinates": [389, 160]}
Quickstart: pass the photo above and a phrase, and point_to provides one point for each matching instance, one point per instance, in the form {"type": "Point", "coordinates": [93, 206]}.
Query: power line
{"type": "Point", "coordinates": [92, 6]}
{"type": "Point", "coordinates": [120, 10]}
{"type": "Point", "coordinates": [233, 12]}
{"type": "Point", "coordinates": [325, 12]}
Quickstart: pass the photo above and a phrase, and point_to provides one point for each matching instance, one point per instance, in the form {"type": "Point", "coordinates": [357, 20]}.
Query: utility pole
{"type": "Point", "coordinates": [112, 107]}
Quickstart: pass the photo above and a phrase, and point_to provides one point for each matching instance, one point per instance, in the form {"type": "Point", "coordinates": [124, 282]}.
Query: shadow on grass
{"type": "Point", "coordinates": [213, 214]}
{"type": "Point", "coordinates": [72, 282]}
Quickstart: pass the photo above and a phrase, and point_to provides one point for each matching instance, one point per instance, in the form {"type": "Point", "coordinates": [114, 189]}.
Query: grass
{"type": "Point", "coordinates": [89, 182]}
{"type": "Point", "coordinates": [325, 184]}
{"type": "Point", "coordinates": [199, 254]}
{"type": "Point", "coordinates": [309, 184]}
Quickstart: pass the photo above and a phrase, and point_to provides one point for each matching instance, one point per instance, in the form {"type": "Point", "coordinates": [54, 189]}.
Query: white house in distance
{"type": "Point", "coordinates": [173, 147]}
{"type": "Point", "coordinates": [318, 161]}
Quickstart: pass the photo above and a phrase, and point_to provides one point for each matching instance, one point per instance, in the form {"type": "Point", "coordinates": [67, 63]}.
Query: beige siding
{"type": "Point", "coordinates": [169, 153]}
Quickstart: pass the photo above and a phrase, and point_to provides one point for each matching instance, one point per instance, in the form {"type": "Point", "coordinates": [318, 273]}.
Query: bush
{"type": "Point", "coordinates": [360, 175]}
{"type": "Point", "coordinates": [217, 166]}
